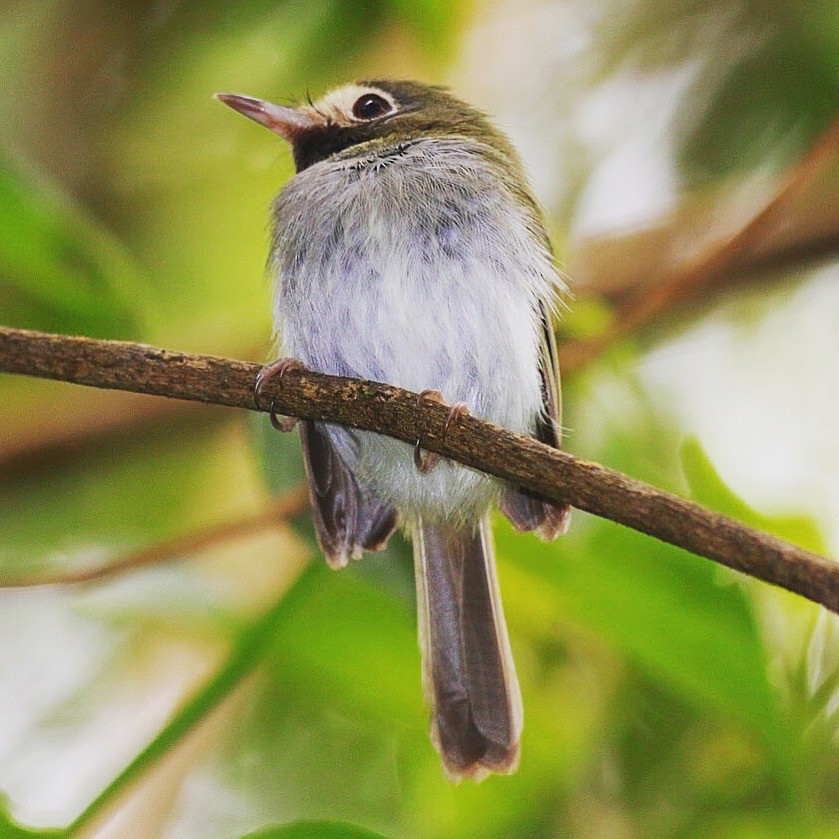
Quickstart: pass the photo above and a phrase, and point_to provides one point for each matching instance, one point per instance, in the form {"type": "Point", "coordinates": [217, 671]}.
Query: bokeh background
{"type": "Point", "coordinates": [242, 685]}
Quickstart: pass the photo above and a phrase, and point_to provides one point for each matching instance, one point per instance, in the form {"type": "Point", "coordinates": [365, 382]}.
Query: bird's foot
{"type": "Point", "coordinates": [276, 369]}
{"type": "Point", "coordinates": [426, 461]}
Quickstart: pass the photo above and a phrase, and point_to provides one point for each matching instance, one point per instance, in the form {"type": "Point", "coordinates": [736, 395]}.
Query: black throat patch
{"type": "Point", "coordinates": [322, 142]}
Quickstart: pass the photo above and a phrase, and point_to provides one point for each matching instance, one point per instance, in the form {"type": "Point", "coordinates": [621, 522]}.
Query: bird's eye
{"type": "Point", "coordinates": [370, 106]}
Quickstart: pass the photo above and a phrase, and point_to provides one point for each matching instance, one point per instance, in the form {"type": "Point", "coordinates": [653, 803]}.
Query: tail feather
{"type": "Point", "coordinates": [468, 672]}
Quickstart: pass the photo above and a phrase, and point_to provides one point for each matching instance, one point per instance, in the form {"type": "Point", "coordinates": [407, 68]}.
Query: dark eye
{"type": "Point", "coordinates": [370, 106]}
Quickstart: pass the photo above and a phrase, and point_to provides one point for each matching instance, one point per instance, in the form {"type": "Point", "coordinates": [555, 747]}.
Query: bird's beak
{"type": "Point", "coordinates": [289, 123]}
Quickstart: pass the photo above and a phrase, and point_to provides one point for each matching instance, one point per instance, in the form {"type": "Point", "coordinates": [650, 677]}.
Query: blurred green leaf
{"type": "Point", "coordinates": [123, 495]}
{"type": "Point", "coordinates": [352, 644]}
{"type": "Point", "coordinates": [756, 100]}
{"type": "Point", "coordinates": [59, 270]}
{"type": "Point", "coordinates": [771, 105]}
{"type": "Point", "coordinates": [677, 616]}
{"type": "Point", "coordinates": [319, 637]}
{"type": "Point", "coordinates": [279, 454]}
{"type": "Point", "coordinates": [664, 609]}
{"type": "Point", "coordinates": [434, 19]}
{"type": "Point", "coordinates": [708, 488]}
{"type": "Point", "coordinates": [249, 649]}
{"type": "Point", "coordinates": [588, 318]}
{"type": "Point", "coordinates": [10, 829]}
{"type": "Point", "coordinates": [315, 830]}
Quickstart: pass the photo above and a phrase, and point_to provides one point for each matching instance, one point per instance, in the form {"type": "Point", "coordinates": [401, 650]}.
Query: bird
{"type": "Point", "coordinates": [408, 248]}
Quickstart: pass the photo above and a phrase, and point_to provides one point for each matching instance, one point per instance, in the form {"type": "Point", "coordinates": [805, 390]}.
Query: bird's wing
{"type": "Point", "coordinates": [348, 518]}
{"type": "Point", "coordinates": [525, 510]}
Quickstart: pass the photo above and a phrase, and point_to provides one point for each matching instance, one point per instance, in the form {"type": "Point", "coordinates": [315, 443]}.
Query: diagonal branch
{"type": "Point", "coordinates": [388, 410]}
{"type": "Point", "coordinates": [281, 508]}
{"type": "Point", "coordinates": [725, 259]}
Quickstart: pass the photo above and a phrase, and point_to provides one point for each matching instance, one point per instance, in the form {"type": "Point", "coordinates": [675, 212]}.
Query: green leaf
{"type": "Point", "coordinates": [662, 607]}
{"type": "Point", "coordinates": [315, 830]}
{"type": "Point", "coordinates": [9, 829]}
{"type": "Point", "coordinates": [770, 106]}
{"type": "Point", "coordinates": [708, 488]}
{"type": "Point", "coordinates": [680, 618]}
{"type": "Point", "coordinates": [279, 454]}
{"type": "Point", "coordinates": [59, 270]}
{"type": "Point", "coordinates": [124, 495]}
{"type": "Point", "coordinates": [352, 644]}
{"type": "Point", "coordinates": [667, 611]}
{"type": "Point", "coordinates": [434, 19]}
{"type": "Point", "coordinates": [249, 650]}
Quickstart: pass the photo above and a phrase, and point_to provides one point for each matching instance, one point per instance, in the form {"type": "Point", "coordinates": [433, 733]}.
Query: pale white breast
{"type": "Point", "coordinates": [415, 266]}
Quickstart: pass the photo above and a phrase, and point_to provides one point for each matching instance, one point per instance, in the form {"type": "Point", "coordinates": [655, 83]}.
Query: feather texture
{"type": "Point", "coordinates": [410, 250]}
{"type": "Point", "coordinates": [468, 671]}
{"type": "Point", "coordinates": [348, 519]}
{"type": "Point", "coordinates": [525, 510]}
{"type": "Point", "coordinates": [424, 273]}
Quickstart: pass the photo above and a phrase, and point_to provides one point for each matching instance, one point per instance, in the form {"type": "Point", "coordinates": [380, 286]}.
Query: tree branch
{"type": "Point", "coordinates": [729, 259]}
{"type": "Point", "coordinates": [281, 508]}
{"type": "Point", "coordinates": [388, 410]}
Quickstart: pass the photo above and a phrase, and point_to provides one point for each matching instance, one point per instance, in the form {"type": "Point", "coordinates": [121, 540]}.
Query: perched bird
{"type": "Point", "coordinates": [408, 249]}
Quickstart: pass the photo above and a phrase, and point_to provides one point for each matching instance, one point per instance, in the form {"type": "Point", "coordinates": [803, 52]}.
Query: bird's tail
{"type": "Point", "coordinates": [468, 672]}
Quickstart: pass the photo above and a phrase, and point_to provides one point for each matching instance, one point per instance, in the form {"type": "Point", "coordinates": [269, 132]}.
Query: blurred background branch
{"type": "Point", "coordinates": [277, 511]}
{"type": "Point", "coordinates": [776, 236]}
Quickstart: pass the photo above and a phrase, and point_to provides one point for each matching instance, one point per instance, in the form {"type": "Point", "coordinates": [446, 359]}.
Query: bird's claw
{"type": "Point", "coordinates": [271, 371]}
{"type": "Point", "coordinates": [426, 461]}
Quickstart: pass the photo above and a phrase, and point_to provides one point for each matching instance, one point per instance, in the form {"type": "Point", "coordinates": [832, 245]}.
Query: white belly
{"type": "Point", "coordinates": [404, 276]}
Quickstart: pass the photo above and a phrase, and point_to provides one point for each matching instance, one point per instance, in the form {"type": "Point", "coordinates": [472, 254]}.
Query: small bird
{"type": "Point", "coordinates": [408, 249]}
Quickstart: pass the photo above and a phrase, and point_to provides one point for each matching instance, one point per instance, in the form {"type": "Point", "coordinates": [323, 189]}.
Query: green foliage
{"type": "Point", "coordinates": [114, 506]}
{"type": "Point", "coordinates": [314, 830]}
{"type": "Point", "coordinates": [267, 695]}
{"type": "Point", "coordinates": [11, 830]}
{"type": "Point", "coordinates": [764, 92]}
{"type": "Point", "coordinates": [708, 488]}
{"type": "Point", "coordinates": [58, 269]}
{"type": "Point", "coordinates": [248, 650]}
{"type": "Point", "coordinates": [666, 610]}
{"type": "Point", "coordinates": [773, 101]}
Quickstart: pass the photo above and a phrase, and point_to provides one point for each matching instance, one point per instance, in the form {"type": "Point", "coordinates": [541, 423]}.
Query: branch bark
{"type": "Point", "coordinates": [389, 410]}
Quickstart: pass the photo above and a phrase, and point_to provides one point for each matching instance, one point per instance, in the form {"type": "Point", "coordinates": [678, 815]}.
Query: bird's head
{"type": "Point", "coordinates": [367, 112]}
